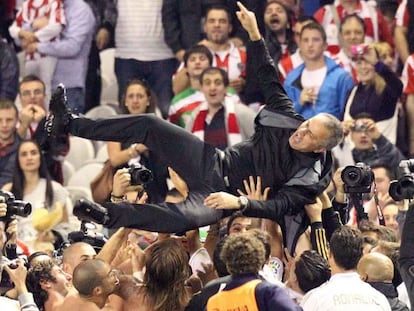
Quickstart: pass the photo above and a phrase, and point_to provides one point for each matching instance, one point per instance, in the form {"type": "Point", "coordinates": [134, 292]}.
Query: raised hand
{"type": "Point", "coordinates": [248, 21]}
{"type": "Point", "coordinates": [254, 189]}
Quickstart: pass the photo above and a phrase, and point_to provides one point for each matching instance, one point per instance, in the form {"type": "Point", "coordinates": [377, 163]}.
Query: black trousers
{"type": "Point", "coordinates": [196, 162]}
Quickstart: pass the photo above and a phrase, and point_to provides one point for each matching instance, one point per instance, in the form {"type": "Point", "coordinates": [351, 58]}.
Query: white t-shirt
{"type": "Point", "coordinates": [313, 78]}
{"type": "Point", "coordinates": [345, 292]}
{"type": "Point", "coordinates": [38, 198]}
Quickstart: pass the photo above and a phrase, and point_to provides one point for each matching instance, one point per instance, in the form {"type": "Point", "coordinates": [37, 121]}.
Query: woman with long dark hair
{"type": "Point", "coordinates": [31, 182]}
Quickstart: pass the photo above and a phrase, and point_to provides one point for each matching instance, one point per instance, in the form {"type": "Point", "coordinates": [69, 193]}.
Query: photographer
{"type": "Point", "coordinates": [17, 272]}
{"type": "Point", "coordinates": [370, 145]}
{"type": "Point", "coordinates": [406, 260]}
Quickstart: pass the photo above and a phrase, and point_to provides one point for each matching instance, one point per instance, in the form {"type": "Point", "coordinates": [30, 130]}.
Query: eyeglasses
{"type": "Point", "coordinates": [36, 92]}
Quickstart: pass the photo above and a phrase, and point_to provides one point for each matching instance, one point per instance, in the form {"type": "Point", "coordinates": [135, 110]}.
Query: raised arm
{"type": "Point", "coordinates": [259, 58]}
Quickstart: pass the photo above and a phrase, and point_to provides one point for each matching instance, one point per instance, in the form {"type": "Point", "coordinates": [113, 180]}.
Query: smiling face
{"type": "Point", "coordinates": [365, 70]}
{"type": "Point", "coordinates": [213, 88]}
{"type": "Point", "coordinates": [136, 99]}
{"type": "Point", "coordinates": [275, 17]}
{"type": "Point", "coordinates": [63, 281]}
{"type": "Point", "coordinates": [217, 26]}
{"type": "Point", "coordinates": [29, 157]}
{"type": "Point", "coordinates": [352, 33]}
{"type": "Point", "coordinates": [310, 136]}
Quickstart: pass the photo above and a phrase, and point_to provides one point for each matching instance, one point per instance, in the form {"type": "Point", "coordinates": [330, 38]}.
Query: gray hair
{"type": "Point", "coordinates": [336, 133]}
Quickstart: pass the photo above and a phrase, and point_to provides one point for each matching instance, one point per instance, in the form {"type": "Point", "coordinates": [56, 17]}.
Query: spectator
{"type": "Point", "coordinates": [138, 99]}
{"type": "Point", "coordinates": [32, 94]}
{"type": "Point", "coordinates": [9, 71]}
{"type": "Point", "coordinates": [370, 146]}
{"type": "Point", "coordinates": [294, 60]}
{"type": "Point", "coordinates": [141, 52]}
{"type": "Point", "coordinates": [279, 36]}
{"type": "Point", "coordinates": [390, 211]}
{"type": "Point", "coordinates": [330, 16]}
{"type": "Point", "coordinates": [221, 121]}
{"type": "Point", "coordinates": [105, 14]}
{"type": "Point", "coordinates": [32, 183]}
{"type": "Point", "coordinates": [196, 59]}
{"type": "Point", "coordinates": [244, 256]}
{"type": "Point", "coordinates": [318, 85]}
{"type": "Point", "coordinates": [39, 21]}
{"type": "Point", "coordinates": [9, 140]}
{"type": "Point", "coordinates": [403, 33]}
{"type": "Point", "coordinates": [226, 55]}
{"type": "Point", "coordinates": [352, 33]}
{"type": "Point", "coordinates": [345, 284]}
{"type": "Point", "coordinates": [182, 25]}
{"type": "Point", "coordinates": [378, 271]}
{"type": "Point", "coordinates": [377, 92]}
{"type": "Point", "coordinates": [408, 80]}
{"type": "Point", "coordinates": [72, 52]}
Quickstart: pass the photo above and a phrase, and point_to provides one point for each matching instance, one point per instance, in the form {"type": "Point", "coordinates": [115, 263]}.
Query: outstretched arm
{"type": "Point", "coordinates": [265, 71]}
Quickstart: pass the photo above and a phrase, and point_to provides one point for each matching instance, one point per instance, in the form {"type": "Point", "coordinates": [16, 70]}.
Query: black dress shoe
{"type": "Point", "coordinates": [58, 120]}
{"type": "Point", "coordinates": [91, 211]}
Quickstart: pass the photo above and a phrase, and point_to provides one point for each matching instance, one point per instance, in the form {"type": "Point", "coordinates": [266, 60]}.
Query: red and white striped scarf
{"type": "Point", "coordinates": [232, 128]}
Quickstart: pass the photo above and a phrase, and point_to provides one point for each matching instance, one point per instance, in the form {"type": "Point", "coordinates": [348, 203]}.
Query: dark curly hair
{"type": "Point", "coordinates": [243, 253]}
{"type": "Point", "coordinates": [42, 271]}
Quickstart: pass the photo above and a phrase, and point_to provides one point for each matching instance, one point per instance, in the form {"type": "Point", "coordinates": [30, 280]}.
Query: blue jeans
{"type": "Point", "coordinates": [157, 74]}
{"type": "Point", "coordinates": [76, 99]}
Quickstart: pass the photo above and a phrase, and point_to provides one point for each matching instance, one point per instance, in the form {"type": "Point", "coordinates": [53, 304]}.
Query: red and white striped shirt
{"type": "Point", "coordinates": [407, 76]}
{"type": "Point", "coordinates": [29, 11]}
{"type": "Point", "coordinates": [345, 62]}
{"type": "Point", "coordinates": [233, 61]}
{"type": "Point", "coordinates": [376, 27]}
{"type": "Point", "coordinates": [287, 63]}
{"type": "Point", "coordinates": [401, 16]}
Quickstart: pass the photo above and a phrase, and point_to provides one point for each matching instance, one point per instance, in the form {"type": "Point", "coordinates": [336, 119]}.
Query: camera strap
{"type": "Point", "coordinates": [379, 210]}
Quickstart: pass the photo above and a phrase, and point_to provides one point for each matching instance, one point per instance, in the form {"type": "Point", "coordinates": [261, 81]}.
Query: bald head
{"type": "Point", "coordinates": [376, 267]}
{"type": "Point", "coordinates": [75, 254]}
{"type": "Point", "coordinates": [88, 275]}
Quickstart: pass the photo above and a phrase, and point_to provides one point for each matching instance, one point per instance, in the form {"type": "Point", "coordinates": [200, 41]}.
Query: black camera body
{"type": "Point", "coordinates": [357, 178]}
{"type": "Point", "coordinates": [14, 207]}
{"type": "Point", "coordinates": [6, 283]}
{"type": "Point", "coordinates": [403, 188]}
{"type": "Point", "coordinates": [86, 235]}
{"type": "Point", "coordinates": [140, 175]}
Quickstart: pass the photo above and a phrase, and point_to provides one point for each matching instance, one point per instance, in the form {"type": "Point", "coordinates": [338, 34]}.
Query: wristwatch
{"type": "Point", "coordinates": [243, 203]}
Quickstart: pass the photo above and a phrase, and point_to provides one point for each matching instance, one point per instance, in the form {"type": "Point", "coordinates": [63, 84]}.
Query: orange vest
{"type": "Point", "coordinates": [241, 298]}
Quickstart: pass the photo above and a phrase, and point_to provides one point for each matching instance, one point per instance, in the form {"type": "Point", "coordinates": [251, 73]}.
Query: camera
{"type": "Point", "coordinates": [403, 188]}
{"type": "Point", "coordinates": [357, 178]}
{"type": "Point", "coordinates": [359, 126]}
{"type": "Point", "coordinates": [140, 175]}
{"type": "Point", "coordinates": [14, 207]}
{"type": "Point", "coordinates": [5, 283]}
{"type": "Point", "coordinates": [358, 50]}
{"type": "Point", "coordinates": [86, 235]}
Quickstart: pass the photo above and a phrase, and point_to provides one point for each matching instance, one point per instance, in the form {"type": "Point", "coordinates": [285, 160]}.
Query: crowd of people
{"type": "Point", "coordinates": [283, 128]}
